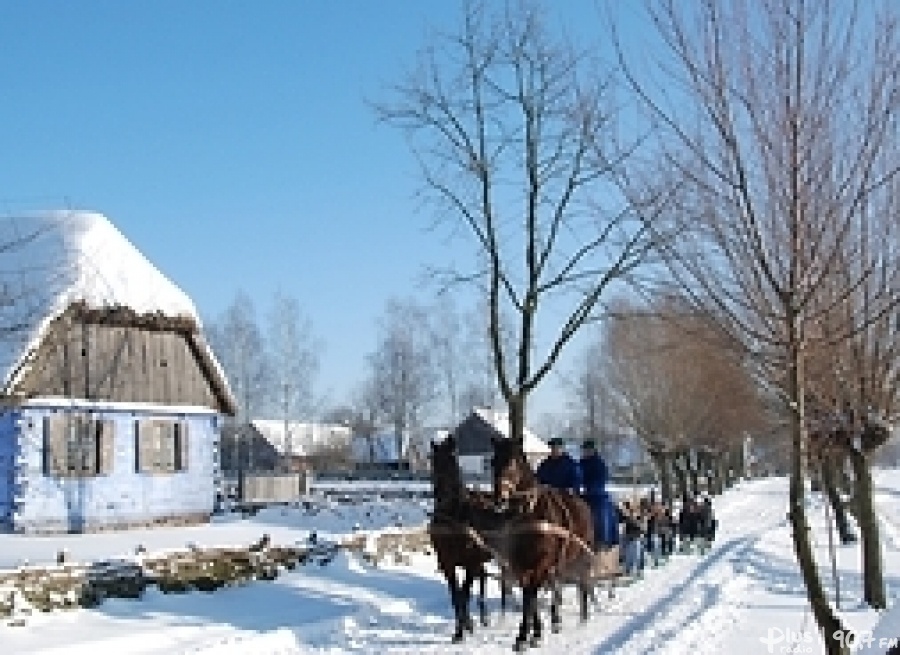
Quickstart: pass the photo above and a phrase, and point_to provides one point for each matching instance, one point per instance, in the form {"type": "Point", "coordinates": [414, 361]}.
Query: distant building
{"type": "Point", "coordinates": [111, 399]}
{"type": "Point", "coordinates": [379, 451]}
{"type": "Point", "coordinates": [276, 445]}
{"type": "Point", "coordinates": [474, 445]}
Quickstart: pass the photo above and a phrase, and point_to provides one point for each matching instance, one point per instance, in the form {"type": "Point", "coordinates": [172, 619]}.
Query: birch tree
{"type": "Point", "coordinates": [294, 351]}
{"type": "Point", "coordinates": [404, 380]}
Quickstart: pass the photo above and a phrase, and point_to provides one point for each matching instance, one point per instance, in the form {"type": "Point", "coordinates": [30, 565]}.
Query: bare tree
{"type": "Point", "coordinates": [237, 341]}
{"type": "Point", "coordinates": [37, 263]}
{"type": "Point", "coordinates": [854, 381]}
{"type": "Point", "coordinates": [518, 149]}
{"type": "Point", "coordinates": [589, 395]}
{"type": "Point", "coordinates": [681, 386]}
{"type": "Point", "coordinates": [403, 376]}
{"type": "Point", "coordinates": [777, 117]}
{"type": "Point", "coordinates": [294, 350]}
{"type": "Point", "coordinates": [449, 353]}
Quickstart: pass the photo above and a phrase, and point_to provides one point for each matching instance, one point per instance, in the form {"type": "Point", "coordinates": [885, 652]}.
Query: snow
{"type": "Point", "coordinates": [302, 437]}
{"type": "Point", "coordinates": [743, 597]}
{"type": "Point", "coordinates": [532, 444]}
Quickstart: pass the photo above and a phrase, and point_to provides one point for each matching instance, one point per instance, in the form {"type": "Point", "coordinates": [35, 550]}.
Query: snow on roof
{"type": "Point", "coordinates": [532, 444]}
{"type": "Point", "coordinates": [304, 437]}
{"type": "Point", "coordinates": [50, 260]}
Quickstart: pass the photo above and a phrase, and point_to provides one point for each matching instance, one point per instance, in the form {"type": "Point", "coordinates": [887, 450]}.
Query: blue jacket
{"type": "Point", "coordinates": [595, 474]}
{"type": "Point", "coordinates": [606, 517]}
{"type": "Point", "coordinates": [561, 472]}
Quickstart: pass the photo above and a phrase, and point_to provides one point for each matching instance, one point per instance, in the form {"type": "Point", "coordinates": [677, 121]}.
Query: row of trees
{"type": "Point", "coordinates": [271, 369]}
{"type": "Point", "coordinates": [430, 364]}
{"type": "Point", "coordinates": [755, 180]}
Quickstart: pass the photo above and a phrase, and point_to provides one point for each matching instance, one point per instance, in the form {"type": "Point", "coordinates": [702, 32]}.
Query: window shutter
{"type": "Point", "coordinates": [106, 436]}
{"type": "Point", "coordinates": [48, 447]}
{"type": "Point", "coordinates": [182, 446]}
{"type": "Point", "coordinates": [57, 448]}
{"type": "Point", "coordinates": [138, 453]}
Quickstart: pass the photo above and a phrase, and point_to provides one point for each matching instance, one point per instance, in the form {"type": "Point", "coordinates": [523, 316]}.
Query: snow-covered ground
{"type": "Point", "coordinates": [744, 597]}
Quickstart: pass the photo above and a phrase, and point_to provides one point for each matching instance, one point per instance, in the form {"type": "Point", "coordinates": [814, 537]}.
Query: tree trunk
{"type": "Point", "coordinates": [873, 574]}
{"type": "Point", "coordinates": [516, 405]}
{"type": "Point", "coordinates": [829, 624]}
{"type": "Point", "coordinates": [829, 482]}
{"type": "Point", "coordinates": [720, 470]}
{"type": "Point", "coordinates": [681, 482]}
{"type": "Point", "coordinates": [661, 461]}
{"type": "Point", "coordinates": [695, 483]}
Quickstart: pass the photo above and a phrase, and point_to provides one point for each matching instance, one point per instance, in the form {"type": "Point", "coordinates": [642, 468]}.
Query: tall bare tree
{"type": "Point", "coordinates": [855, 377]}
{"type": "Point", "coordinates": [777, 116]}
{"type": "Point", "coordinates": [588, 395]}
{"type": "Point", "coordinates": [518, 149]}
{"type": "Point", "coordinates": [403, 376]}
{"type": "Point", "coordinates": [239, 346]}
{"type": "Point", "coordinates": [449, 353]}
{"type": "Point", "coordinates": [294, 350]}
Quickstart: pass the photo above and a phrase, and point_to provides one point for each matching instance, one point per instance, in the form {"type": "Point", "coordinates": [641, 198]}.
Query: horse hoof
{"type": "Point", "coordinates": [457, 638]}
{"type": "Point", "coordinates": [519, 646]}
{"type": "Point", "coordinates": [535, 642]}
{"type": "Point", "coordinates": [555, 627]}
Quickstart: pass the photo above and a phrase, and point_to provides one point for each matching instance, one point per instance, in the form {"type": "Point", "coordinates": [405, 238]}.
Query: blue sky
{"type": "Point", "coordinates": [231, 142]}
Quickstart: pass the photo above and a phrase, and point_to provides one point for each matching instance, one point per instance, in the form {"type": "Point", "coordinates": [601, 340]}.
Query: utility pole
{"type": "Point", "coordinates": [288, 445]}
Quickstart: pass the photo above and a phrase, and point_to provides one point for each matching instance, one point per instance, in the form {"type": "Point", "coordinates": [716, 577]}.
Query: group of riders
{"type": "Point", "coordinates": [642, 529]}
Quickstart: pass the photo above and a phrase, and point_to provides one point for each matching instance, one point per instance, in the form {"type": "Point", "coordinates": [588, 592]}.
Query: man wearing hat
{"type": "Point", "coordinates": [559, 470]}
{"type": "Point", "coordinates": [595, 475]}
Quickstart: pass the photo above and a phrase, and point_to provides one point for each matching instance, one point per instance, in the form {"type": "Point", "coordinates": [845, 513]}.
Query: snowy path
{"type": "Point", "coordinates": [723, 602]}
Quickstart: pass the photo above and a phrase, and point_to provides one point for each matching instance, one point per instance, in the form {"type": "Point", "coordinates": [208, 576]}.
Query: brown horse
{"type": "Point", "coordinates": [455, 545]}
{"type": "Point", "coordinates": [546, 538]}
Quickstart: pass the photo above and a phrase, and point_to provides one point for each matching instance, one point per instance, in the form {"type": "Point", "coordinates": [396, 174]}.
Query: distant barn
{"type": "Point", "coordinates": [474, 445]}
{"type": "Point", "coordinates": [111, 399]}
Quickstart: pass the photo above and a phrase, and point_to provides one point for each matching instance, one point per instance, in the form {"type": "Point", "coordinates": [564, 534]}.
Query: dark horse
{"type": "Point", "coordinates": [546, 538]}
{"type": "Point", "coordinates": [455, 544]}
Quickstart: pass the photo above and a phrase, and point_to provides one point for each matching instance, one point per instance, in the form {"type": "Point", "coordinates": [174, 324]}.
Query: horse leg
{"type": "Point", "coordinates": [586, 593]}
{"type": "Point", "coordinates": [465, 598]}
{"type": "Point", "coordinates": [504, 592]}
{"type": "Point", "coordinates": [453, 587]}
{"type": "Point", "coordinates": [529, 607]}
{"type": "Point", "coordinates": [555, 602]}
{"type": "Point", "coordinates": [482, 607]}
{"type": "Point", "coordinates": [536, 627]}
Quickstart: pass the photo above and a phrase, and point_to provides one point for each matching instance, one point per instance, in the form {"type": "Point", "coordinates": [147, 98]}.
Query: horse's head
{"type": "Point", "coordinates": [511, 470]}
{"type": "Point", "coordinates": [446, 476]}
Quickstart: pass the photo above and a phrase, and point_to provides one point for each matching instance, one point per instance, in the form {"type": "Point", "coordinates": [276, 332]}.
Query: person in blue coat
{"type": "Point", "coordinates": [559, 469]}
{"type": "Point", "coordinates": [595, 475]}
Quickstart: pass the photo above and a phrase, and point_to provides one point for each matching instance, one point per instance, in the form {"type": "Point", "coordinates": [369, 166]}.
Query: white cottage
{"type": "Point", "coordinates": [110, 397]}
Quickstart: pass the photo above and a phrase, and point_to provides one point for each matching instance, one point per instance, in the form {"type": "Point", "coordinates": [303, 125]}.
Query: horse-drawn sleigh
{"type": "Point", "coordinates": [541, 538]}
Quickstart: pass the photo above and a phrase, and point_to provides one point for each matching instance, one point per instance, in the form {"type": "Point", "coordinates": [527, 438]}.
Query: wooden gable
{"type": "Point", "coordinates": [118, 356]}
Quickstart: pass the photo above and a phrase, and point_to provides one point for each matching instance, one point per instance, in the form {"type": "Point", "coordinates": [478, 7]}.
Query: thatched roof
{"type": "Point", "coordinates": [77, 263]}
